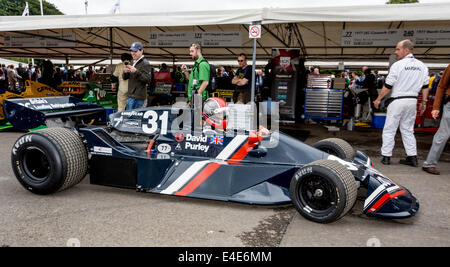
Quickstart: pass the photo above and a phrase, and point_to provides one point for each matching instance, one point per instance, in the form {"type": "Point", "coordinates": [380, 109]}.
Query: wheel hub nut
{"type": "Point", "coordinates": [318, 193]}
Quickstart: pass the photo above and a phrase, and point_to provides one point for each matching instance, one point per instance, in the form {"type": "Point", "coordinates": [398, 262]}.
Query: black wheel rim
{"type": "Point", "coordinates": [317, 194]}
{"type": "Point", "coordinates": [36, 164]}
{"type": "Point", "coordinates": [330, 151]}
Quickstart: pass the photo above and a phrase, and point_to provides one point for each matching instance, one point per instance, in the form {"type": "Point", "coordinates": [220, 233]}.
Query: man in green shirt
{"type": "Point", "coordinates": [199, 76]}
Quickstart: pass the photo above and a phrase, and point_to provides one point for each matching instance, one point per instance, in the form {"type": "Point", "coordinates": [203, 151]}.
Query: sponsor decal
{"type": "Point", "coordinates": [179, 136]}
{"type": "Point", "coordinates": [19, 170]}
{"type": "Point", "coordinates": [132, 113]}
{"type": "Point", "coordinates": [118, 121]}
{"type": "Point", "coordinates": [164, 148]}
{"type": "Point", "coordinates": [285, 62]}
{"type": "Point", "coordinates": [132, 123]}
{"type": "Point", "coordinates": [43, 104]}
{"type": "Point", "coordinates": [36, 101]}
{"type": "Point", "coordinates": [412, 68]}
{"type": "Point", "coordinates": [102, 150]}
{"type": "Point", "coordinates": [69, 83]}
{"type": "Point", "coordinates": [302, 172]}
{"type": "Point", "coordinates": [216, 140]}
{"type": "Point", "coordinates": [21, 141]}
{"type": "Point", "coordinates": [45, 88]}
{"type": "Point", "coordinates": [307, 209]}
{"type": "Point", "coordinates": [163, 156]}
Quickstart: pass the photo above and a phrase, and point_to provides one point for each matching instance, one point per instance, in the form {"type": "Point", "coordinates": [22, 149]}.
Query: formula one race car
{"type": "Point", "coordinates": [165, 150]}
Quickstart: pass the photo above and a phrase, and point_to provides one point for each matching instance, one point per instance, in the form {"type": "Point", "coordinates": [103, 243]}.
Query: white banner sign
{"type": "Point", "coordinates": [185, 39]}
{"type": "Point", "coordinates": [171, 39]}
{"type": "Point", "coordinates": [37, 41]}
{"type": "Point", "coordinates": [223, 39]}
{"type": "Point", "coordinates": [390, 37]}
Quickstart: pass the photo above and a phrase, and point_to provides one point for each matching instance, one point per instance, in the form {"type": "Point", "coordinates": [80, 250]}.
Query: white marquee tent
{"type": "Point", "coordinates": [317, 31]}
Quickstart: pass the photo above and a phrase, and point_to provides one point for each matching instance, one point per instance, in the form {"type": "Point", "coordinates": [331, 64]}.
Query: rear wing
{"type": "Point", "coordinates": [29, 113]}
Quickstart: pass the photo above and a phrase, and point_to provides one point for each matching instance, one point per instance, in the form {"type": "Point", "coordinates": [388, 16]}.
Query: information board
{"type": "Point", "coordinates": [205, 39]}
{"type": "Point", "coordinates": [390, 37]}
{"type": "Point", "coordinates": [19, 40]}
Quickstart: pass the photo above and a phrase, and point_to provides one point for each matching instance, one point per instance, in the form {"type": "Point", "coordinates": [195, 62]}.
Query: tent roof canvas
{"type": "Point", "coordinates": [317, 31]}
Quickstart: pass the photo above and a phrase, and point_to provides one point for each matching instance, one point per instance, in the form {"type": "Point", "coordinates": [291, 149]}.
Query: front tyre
{"type": "Point", "coordinates": [323, 191]}
{"type": "Point", "coordinates": [336, 147]}
{"type": "Point", "coordinates": [49, 160]}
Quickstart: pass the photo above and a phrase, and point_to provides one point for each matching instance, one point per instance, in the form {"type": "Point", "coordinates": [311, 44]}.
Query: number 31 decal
{"type": "Point", "coordinates": [152, 122]}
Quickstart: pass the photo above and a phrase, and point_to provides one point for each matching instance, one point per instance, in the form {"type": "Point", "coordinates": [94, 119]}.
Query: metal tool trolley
{"type": "Point", "coordinates": [322, 102]}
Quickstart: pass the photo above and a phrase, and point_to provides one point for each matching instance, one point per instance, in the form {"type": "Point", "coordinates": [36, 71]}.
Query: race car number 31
{"type": "Point", "coordinates": [150, 122]}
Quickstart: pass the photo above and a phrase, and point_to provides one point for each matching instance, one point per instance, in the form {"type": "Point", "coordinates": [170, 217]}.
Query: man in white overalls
{"type": "Point", "coordinates": [406, 78]}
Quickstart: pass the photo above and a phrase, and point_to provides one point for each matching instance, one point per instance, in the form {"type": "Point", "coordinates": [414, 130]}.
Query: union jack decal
{"type": "Point", "coordinates": [216, 140]}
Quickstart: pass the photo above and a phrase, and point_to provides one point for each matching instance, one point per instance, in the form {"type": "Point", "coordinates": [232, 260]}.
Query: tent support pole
{"type": "Point", "coordinates": [252, 101]}
{"type": "Point", "coordinates": [111, 52]}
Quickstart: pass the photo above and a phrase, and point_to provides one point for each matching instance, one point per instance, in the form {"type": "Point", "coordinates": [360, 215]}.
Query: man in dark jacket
{"type": "Point", "coordinates": [369, 82]}
{"type": "Point", "coordinates": [138, 75]}
{"type": "Point", "coordinates": [243, 81]}
{"type": "Point", "coordinates": [22, 72]}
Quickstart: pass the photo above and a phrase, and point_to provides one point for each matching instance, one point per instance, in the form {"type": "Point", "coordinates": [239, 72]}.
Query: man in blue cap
{"type": "Point", "coordinates": [138, 74]}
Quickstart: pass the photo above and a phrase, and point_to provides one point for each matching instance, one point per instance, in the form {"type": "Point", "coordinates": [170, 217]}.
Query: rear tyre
{"type": "Point", "coordinates": [323, 191]}
{"type": "Point", "coordinates": [49, 160]}
{"type": "Point", "coordinates": [336, 147]}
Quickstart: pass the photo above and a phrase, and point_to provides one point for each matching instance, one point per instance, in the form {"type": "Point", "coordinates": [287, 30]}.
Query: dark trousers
{"type": "Point", "coordinates": [242, 95]}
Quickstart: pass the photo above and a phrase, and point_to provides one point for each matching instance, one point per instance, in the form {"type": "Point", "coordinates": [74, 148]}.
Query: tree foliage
{"type": "Point", "coordinates": [16, 7]}
{"type": "Point", "coordinates": [402, 1]}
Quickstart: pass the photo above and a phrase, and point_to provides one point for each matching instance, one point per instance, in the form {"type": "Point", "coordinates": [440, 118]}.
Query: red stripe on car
{"type": "Point", "coordinates": [212, 167]}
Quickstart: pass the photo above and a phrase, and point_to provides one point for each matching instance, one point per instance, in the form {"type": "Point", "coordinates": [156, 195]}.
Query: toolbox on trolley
{"type": "Point", "coordinates": [323, 104]}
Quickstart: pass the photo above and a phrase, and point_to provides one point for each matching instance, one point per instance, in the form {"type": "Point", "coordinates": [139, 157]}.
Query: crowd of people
{"type": "Point", "coordinates": [237, 79]}
{"type": "Point", "coordinates": [195, 79]}
{"type": "Point", "coordinates": [14, 79]}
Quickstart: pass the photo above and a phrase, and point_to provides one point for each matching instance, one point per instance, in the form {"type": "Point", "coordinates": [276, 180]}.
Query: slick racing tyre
{"type": "Point", "coordinates": [323, 191]}
{"type": "Point", "coordinates": [49, 160]}
{"type": "Point", "coordinates": [336, 147]}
